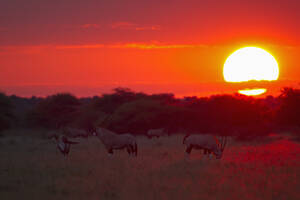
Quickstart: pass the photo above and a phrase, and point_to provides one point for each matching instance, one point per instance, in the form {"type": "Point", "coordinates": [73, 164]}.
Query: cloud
{"type": "Point", "coordinates": [34, 49]}
{"type": "Point", "coordinates": [131, 46]}
{"type": "Point", "coordinates": [88, 26]}
{"type": "Point", "coordinates": [143, 46]}
{"type": "Point", "coordinates": [153, 46]}
{"type": "Point", "coordinates": [123, 25]}
{"type": "Point", "coordinates": [23, 49]}
{"type": "Point", "coordinates": [153, 28]}
{"type": "Point", "coordinates": [85, 46]}
{"type": "Point", "coordinates": [133, 26]}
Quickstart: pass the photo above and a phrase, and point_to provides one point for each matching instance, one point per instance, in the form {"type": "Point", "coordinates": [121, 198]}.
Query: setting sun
{"type": "Point", "coordinates": [250, 63]}
{"type": "Point", "coordinates": [253, 92]}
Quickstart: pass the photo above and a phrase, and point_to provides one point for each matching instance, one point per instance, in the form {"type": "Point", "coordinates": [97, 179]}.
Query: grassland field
{"type": "Point", "coordinates": [32, 168]}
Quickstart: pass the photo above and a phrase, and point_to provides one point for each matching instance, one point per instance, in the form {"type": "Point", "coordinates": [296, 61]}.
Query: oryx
{"type": "Point", "coordinates": [209, 143]}
{"type": "Point", "coordinates": [63, 143]}
{"type": "Point", "coordinates": [113, 141]}
{"type": "Point", "coordinates": [156, 133]}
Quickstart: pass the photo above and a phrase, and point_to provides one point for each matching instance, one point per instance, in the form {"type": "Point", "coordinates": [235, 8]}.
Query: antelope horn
{"type": "Point", "coordinates": [224, 142]}
{"type": "Point", "coordinates": [217, 141]}
{"type": "Point", "coordinates": [65, 140]}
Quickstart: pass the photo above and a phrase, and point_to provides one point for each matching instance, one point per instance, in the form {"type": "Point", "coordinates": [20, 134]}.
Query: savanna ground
{"type": "Point", "coordinates": [31, 168]}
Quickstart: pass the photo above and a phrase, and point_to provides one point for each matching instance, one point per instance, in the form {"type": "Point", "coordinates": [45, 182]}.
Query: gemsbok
{"type": "Point", "coordinates": [156, 133]}
{"type": "Point", "coordinates": [113, 141]}
{"type": "Point", "coordinates": [209, 143]}
{"type": "Point", "coordinates": [63, 143]}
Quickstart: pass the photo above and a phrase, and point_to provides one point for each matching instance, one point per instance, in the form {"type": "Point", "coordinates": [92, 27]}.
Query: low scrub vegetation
{"type": "Point", "coordinates": [124, 110]}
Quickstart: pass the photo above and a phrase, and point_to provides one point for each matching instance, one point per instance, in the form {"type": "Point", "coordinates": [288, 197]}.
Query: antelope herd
{"type": "Point", "coordinates": [209, 143]}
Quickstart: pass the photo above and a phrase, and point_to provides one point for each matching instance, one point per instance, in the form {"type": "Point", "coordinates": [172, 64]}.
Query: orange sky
{"type": "Point", "coordinates": [171, 46]}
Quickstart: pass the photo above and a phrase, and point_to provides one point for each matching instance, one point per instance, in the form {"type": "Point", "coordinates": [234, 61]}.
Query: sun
{"type": "Point", "coordinates": [253, 92]}
{"type": "Point", "coordinates": [250, 63]}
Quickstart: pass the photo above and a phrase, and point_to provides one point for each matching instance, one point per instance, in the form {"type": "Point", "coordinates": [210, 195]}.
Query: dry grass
{"type": "Point", "coordinates": [30, 168]}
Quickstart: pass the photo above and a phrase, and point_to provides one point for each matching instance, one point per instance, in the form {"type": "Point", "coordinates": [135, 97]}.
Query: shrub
{"type": "Point", "coordinates": [6, 112]}
{"type": "Point", "coordinates": [287, 115]}
{"type": "Point", "coordinates": [55, 111]}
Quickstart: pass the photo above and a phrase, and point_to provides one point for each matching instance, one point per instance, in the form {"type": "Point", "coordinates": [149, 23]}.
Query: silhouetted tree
{"type": "Point", "coordinates": [88, 117]}
{"type": "Point", "coordinates": [55, 111]}
{"type": "Point", "coordinates": [289, 110]}
{"type": "Point", "coordinates": [139, 116]}
{"type": "Point", "coordinates": [237, 115]}
{"type": "Point", "coordinates": [21, 107]}
{"type": "Point", "coordinates": [108, 103]}
{"type": "Point", "coordinates": [6, 112]}
{"type": "Point", "coordinates": [126, 111]}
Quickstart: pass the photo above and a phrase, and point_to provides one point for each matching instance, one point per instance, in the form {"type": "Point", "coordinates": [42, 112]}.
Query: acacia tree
{"type": "Point", "coordinates": [235, 115]}
{"type": "Point", "coordinates": [88, 116]}
{"type": "Point", "coordinates": [139, 116]}
{"type": "Point", "coordinates": [55, 111]}
{"type": "Point", "coordinates": [109, 103]}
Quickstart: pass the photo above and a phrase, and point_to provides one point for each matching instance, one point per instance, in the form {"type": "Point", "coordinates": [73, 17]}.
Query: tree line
{"type": "Point", "coordinates": [126, 111]}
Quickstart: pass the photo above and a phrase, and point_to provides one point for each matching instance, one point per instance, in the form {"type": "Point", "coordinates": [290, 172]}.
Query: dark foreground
{"type": "Point", "coordinates": [31, 168]}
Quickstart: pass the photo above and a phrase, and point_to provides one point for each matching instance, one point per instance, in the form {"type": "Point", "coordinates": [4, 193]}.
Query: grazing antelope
{"type": "Point", "coordinates": [209, 143]}
{"type": "Point", "coordinates": [63, 143]}
{"type": "Point", "coordinates": [156, 133]}
{"type": "Point", "coordinates": [113, 141]}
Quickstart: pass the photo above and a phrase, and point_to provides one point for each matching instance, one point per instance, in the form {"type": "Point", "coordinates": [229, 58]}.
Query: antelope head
{"type": "Point", "coordinates": [98, 132]}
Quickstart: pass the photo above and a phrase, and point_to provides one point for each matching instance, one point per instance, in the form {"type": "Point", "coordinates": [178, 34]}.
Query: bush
{"type": "Point", "coordinates": [6, 112]}
{"type": "Point", "coordinates": [139, 116]}
{"type": "Point", "coordinates": [88, 117]}
{"type": "Point", "coordinates": [55, 111]}
{"type": "Point", "coordinates": [235, 114]}
{"type": "Point", "coordinates": [109, 103]}
{"type": "Point", "coordinates": [287, 115]}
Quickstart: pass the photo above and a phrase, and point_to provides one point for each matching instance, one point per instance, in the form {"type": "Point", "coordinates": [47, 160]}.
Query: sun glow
{"type": "Point", "coordinates": [250, 63]}
{"type": "Point", "coordinates": [253, 92]}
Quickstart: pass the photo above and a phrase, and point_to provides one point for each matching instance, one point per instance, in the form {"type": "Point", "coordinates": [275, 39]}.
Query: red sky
{"type": "Point", "coordinates": [89, 47]}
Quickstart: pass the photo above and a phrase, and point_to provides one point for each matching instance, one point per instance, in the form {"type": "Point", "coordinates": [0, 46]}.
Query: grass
{"type": "Point", "coordinates": [31, 168]}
